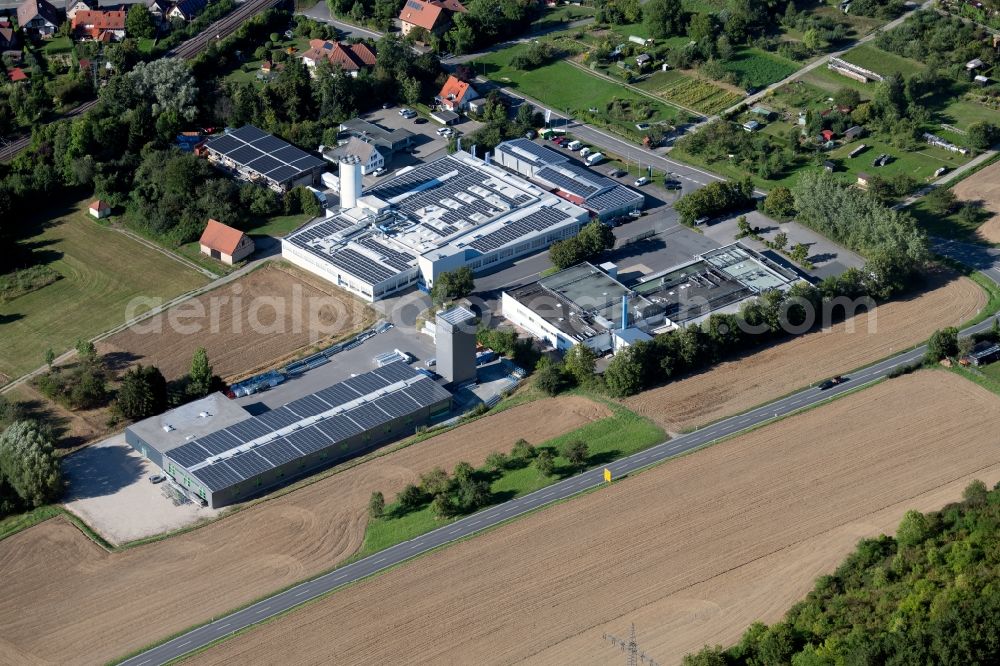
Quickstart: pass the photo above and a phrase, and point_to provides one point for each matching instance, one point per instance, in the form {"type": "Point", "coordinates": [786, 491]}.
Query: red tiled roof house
{"type": "Point", "coordinates": [434, 16]}
{"type": "Point", "coordinates": [351, 58]}
{"type": "Point", "coordinates": [99, 209]}
{"type": "Point", "coordinates": [455, 94]}
{"type": "Point", "coordinates": [99, 25]}
{"type": "Point", "coordinates": [223, 242]}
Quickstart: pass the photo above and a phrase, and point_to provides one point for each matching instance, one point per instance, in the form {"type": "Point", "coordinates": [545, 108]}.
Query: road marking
{"type": "Point", "coordinates": [263, 610]}
{"type": "Point", "coordinates": [183, 644]}
{"type": "Point", "coordinates": [299, 594]}
{"type": "Point", "coordinates": [221, 626]}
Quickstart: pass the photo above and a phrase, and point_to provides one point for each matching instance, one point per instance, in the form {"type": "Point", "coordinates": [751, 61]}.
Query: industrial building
{"type": "Point", "coordinates": [453, 212]}
{"type": "Point", "coordinates": [220, 453]}
{"type": "Point", "coordinates": [455, 342]}
{"type": "Point", "coordinates": [581, 305]}
{"type": "Point", "coordinates": [604, 198]}
{"type": "Point", "coordinates": [255, 156]}
{"type": "Point", "coordinates": [715, 281]}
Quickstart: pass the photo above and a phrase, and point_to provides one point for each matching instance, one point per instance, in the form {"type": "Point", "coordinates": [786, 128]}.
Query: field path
{"type": "Point", "coordinates": [692, 550]}
{"type": "Point", "coordinates": [68, 601]}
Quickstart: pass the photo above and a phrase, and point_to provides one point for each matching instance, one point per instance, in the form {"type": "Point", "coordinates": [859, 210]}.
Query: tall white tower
{"type": "Point", "coordinates": [350, 182]}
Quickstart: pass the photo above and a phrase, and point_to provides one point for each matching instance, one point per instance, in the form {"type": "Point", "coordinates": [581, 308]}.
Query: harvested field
{"type": "Point", "coordinates": [984, 186]}
{"type": "Point", "coordinates": [691, 551]}
{"type": "Point", "coordinates": [252, 323]}
{"type": "Point", "coordinates": [80, 604]}
{"type": "Point", "coordinates": [738, 385]}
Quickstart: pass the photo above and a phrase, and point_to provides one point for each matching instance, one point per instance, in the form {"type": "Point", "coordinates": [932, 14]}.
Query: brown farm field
{"type": "Point", "coordinates": [692, 551]}
{"type": "Point", "coordinates": [735, 386]}
{"type": "Point", "coordinates": [984, 186]}
{"type": "Point", "coordinates": [252, 323]}
{"type": "Point", "coordinates": [66, 600]}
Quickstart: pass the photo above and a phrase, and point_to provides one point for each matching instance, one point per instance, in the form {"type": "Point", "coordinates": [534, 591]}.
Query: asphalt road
{"type": "Point", "coordinates": [495, 515]}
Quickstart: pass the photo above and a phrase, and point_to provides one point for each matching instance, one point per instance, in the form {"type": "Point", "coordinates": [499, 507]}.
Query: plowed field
{"type": "Point", "coordinates": [691, 551]}
{"type": "Point", "coordinates": [984, 186]}
{"type": "Point", "coordinates": [67, 601]}
{"type": "Point", "coordinates": [735, 386]}
{"type": "Point", "coordinates": [251, 323]}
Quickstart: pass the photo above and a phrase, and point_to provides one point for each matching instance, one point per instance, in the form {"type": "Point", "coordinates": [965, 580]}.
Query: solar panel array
{"type": "Point", "coordinates": [398, 260]}
{"type": "Point", "coordinates": [324, 229]}
{"type": "Point", "coordinates": [614, 198]}
{"type": "Point", "coordinates": [263, 153]}
{"type": "Point", "coordinates": [539, 220]}
{"type": "Point", "coordinates": [369, 415]}
{"type": "Point", "coordinates": [574, 179]}
{"type": "Point", "coordinates": [523, 149]}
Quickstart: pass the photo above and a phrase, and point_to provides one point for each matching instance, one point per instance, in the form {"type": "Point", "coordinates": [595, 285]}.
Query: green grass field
{"type": "Point", "coordinates": [882, 62]}
{"type": "Point", "coordinates": [561, 15]}
{"type": "Point", "coordinates": [57, 46]}
{"type": "Point", "coordinates": [101, 271]}
{"type": "Point", "coordinates": [561, 85]}
{"type": "Point", "coordinates": [759, 68]}
{"type": "Point", "coordinates": [608, 439]}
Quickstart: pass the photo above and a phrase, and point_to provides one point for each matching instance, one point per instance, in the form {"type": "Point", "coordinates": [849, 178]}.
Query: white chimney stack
{"type": "Point", "coordinates": [350, 182]}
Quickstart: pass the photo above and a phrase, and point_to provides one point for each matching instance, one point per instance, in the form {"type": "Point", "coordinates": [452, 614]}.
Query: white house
{"type": "Point", "coordinates": [366, 153]}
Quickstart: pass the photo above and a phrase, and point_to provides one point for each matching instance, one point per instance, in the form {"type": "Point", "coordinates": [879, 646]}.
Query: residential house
{"type": "Point", "coordinates": [854, 132]}
{"type": "Point", "coordinates": [388, 142]}
{"type": "Point", "coordinates": [366, 153]}
{"type": "Point", "coordinates": [434, 16]}
{"type": "Point", "coordinates": [38, 18]}
{"type": "Point", "coordinates": [186, 10]}
{"type": "Point", "coordinates": [159, 9]}
{"type": "Point", "coordinates": [74, 6]}
{"type": "Point", "coordinates": [9, 40]}
{"type": "Point", "coordinates": [223, 242]}
{"type": "Point", "coordinates": [99, 209]}
{"type": "Point", "coordinates": [100, 25]}
{"type": "Point", "coordinates": [351, 58]}
{"type": "Point", "coordinates": [455, 94]}
{"type": "Point", "coordinates": [826, 135]}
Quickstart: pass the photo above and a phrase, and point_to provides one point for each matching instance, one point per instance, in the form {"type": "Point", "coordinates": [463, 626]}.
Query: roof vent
{"type": "Point", "coordinates": [203, 415]}
{"type": "Point", "coordinates": [167, 427]}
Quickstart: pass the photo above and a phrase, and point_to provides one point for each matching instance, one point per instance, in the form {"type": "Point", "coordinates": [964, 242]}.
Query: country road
{"type": "Point", "coordinates": [987, 260]}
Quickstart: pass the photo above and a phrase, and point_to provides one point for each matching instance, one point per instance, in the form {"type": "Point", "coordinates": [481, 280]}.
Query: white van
{"type": "Point", "coordinates": [596, 158]}
{"type": "Point", "coordinates": [574, 145]}
{"type": "Point", "coordinates": [584, 152]}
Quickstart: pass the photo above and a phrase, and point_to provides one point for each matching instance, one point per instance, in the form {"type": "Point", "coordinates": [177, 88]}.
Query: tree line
{"type": "Point", "coordinates": [926, 596]}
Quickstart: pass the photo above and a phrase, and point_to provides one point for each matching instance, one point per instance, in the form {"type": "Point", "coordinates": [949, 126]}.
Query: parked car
{"type": "Point", "coordinates": [584, 152]}
{"type": "Point", "coordinates": [441, 131]}
{"type": "Point", "coordinates": [419, 121]}
{"type": "Point", "coordinates": [575, 145]}
{"type": "Point", "coordinates": [559, 140]}
{"type": "Point", "coordinates": [615, 172]}
{"type": "Point", "coordinates": [702, 220]}
{"type": "Point", "coordinates": [635, 214]}
{"type": "Point", "coordinates": [387, 105]}
{"type": "Point", "coordinates": [157, 478]}
{"type": "Point", "coordinates": [672, 184]}
{"type": "Point", "coordinates": [595, 158]}
{"type": "Point", "coordinates": [431, 362]}
{"type": "Point", "coordinates": [381, 171]}
{"type": "Point", "coordinates": [530, 134]}
{"type": "Point", "coordinates": [405, 111]}
{"type": "Point", "coordinates": [642, 127]}
{"type": "Point", "coordinates": [640, 181]}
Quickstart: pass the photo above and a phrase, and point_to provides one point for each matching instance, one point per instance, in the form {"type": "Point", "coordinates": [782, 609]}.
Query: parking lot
{"type": "Point", "coordinates": [109, 489]}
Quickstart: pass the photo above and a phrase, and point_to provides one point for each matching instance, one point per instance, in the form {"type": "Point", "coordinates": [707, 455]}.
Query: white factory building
{"type": "Point", "coordinates": [455, 211]}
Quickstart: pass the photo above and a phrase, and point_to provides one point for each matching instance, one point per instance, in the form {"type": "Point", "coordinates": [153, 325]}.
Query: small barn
{"type": "Point", "coordinates": [100, 209]}
{"type": "Point", "coordinates": [223, 242]}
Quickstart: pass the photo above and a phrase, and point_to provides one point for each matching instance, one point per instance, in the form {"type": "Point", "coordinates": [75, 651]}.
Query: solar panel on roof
{"type": "Point", "coordinates": [278, 452]}
{"type": "Point", "coordinates": [224, 143]}
{"type": "Point", "coordinates": [278, 418]}
{"type": "Point", "coordinates": [426, 392]}
{"type": "Point", "coordinates": [396, 404]}
{"type": "Point", "coordinates": [309, 440]}
{"type": "Point", "coordinates": [339, 427]}
{"type": "Point", "coordinates": [217, 476]}
{"type": "Point", "coordinates": [243, 154]}
{"type": "Point", "coordinates": [396, 371]}
{"type": "Point", "coordinates": [248, 430]}
{"type": "Point", "coordinates": [283, 173]}
{"type": "Point", "coordinates": [217, 442]}
{"type": "Point", "coordinates": [338, 394]}
{"type": "Point", "coordinates": [270, 144]}
{"type": "Point", "coordinates": [307, 406]}
{"type": "Point", "coordinates": [368, 416]}
{"type": "Point", "coordinates": [248, 464]}
{"type": "Point", "coordinates": [188, 455]}
{"type": "Point", "coordinates": [366, 383]}
{"type": "Point", "coordinates": [264, 163]}
{"type": "Point", "coordinates": [248, 133]}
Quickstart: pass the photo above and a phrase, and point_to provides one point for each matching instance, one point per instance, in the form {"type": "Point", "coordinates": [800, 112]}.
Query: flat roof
{"type": "Point", "coordinates": [377, 132]}
{"type": "Point", "coordinates": [450, 206]}
{"type": "Point", "coordinates": [712, 281]}
{"type": "Point", "coordinates": [581, 301]}
{"type": "Point", "coordinates": [523, 149]}
{"type": "Point", "coordinates": [598, 193]}
{"type": "Point", "coordinates": [251, 446]}
{"type": "Point", "coordinates": [167, 431]}
{"type": "Point", "coordinates": [256, 150]}
{"type": "Point", "coordinates": [456, 316]}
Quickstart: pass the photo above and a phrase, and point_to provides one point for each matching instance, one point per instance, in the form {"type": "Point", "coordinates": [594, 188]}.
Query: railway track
{"type": "Point", "coordinates": [187, 50]}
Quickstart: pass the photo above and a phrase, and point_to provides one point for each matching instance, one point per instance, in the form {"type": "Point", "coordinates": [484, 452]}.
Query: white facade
{"type": "Point", "coordinates": [524, 318]}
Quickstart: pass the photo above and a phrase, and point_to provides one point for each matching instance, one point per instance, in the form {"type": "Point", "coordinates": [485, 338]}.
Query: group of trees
{"type": "Point", "coordinates": [452, 285]}
{"type": "Point", "coordinates": [714, 199]}
{"type": "Point", "coordinates": [593, 239]}
{"type": "Point", "coordinates": [927, 596]}
{"type": "Point", "coordinates": [755, 153]}
{"type": "Point", "coordinates": [944, 43]}
{"type": "Point", "coordinates": [30, 474]}
{"type": "Point", "coordinates": [506, 342]}
{"type": "Point", "coordinates": [81, 385]}
{"type": "Point", "coordinates": [497, 125]}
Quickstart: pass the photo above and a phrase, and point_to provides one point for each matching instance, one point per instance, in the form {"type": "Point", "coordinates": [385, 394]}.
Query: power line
{"type": "Point", "coordinates": [633, 655]}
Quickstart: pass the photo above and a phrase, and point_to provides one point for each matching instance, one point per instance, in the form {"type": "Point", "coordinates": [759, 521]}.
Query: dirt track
{"type": "Point", "coordinates": [691, 551]}
{"type": "Point", "coordinates": [246, 325]}
{"type": "Point", "coordinates": [65, 600]}
{"type": "Point", "coordinates": [984, 186]}
{"type": "Point", "coordinates": [735, 386]}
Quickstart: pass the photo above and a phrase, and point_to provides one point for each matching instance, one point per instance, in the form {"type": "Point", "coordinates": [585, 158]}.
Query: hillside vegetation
{"type": "Point", "coordinates": [928, 596]}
